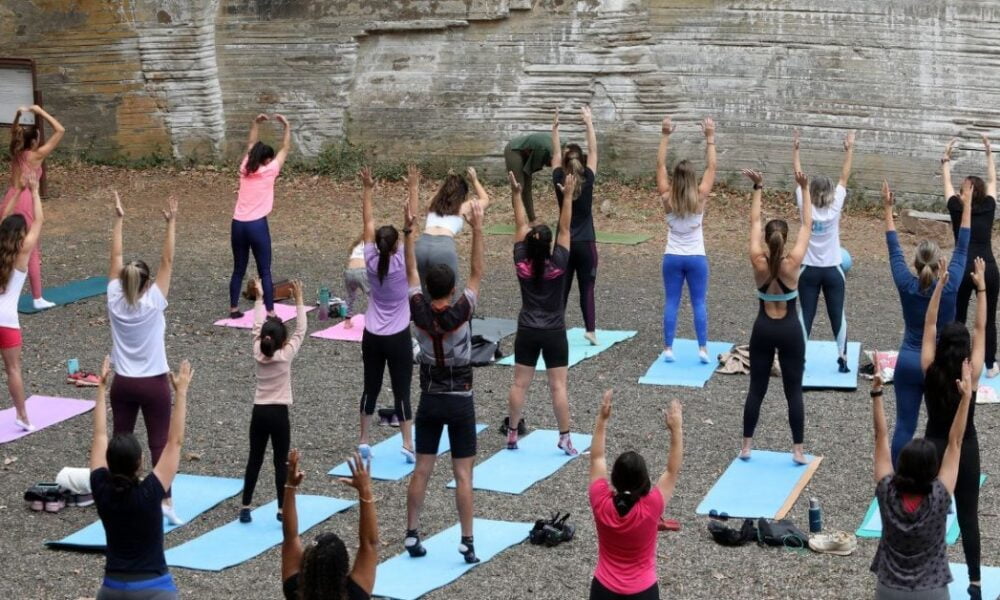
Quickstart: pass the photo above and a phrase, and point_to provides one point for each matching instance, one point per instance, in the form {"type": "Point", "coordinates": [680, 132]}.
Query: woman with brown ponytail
{"type": "Point", "coordinates": [27, 154]}
{"type": "Point", "coordinates": [777, 328]}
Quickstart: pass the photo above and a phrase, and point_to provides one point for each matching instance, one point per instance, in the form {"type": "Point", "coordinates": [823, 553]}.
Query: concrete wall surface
{"type": "Point", "coordinates": [454, 79]}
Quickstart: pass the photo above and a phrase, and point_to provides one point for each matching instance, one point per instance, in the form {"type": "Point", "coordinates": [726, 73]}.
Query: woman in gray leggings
{"type": "Point", "coordinates": [445, 218]}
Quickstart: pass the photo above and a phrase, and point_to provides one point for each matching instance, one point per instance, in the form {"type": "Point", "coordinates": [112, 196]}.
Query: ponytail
{"type": "Point", "coordinates": [258, 155]}
{"type": "Point", "coordinates": [538, 244]}
{"type": "Point", "coordinates": [572, 164]}
{"type": "Point", "coordinates": [386, 239]}
{"type": "Point", "coordinates": [925, 263]}
{"type": "Point", "coordinates": [134, 278]}
{"type": "Point", "coordinates": [630, 478]}
{"type": "Point", "coordinates": [22, 137]}
{"type": "Point", "coordinates": [122, 484]}
{"type": "Point", "coordinates": [775, 232]}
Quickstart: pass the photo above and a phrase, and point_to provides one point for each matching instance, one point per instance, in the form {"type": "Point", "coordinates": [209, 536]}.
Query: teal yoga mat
{"type": "Point", "coordinates": [237, 542]}
{"type": "Point", "coordinates": [66, 294]}
{"type": "Point", "coordinates": [871, 526]}
{"type": "Point", "coordinates": [579, 348]}
{"type": "Point", "coordinates": [193, 495]}
{"type": "Point", "coordinates": [990, 581]}
{"type": "Point", "coordinates": [687, 370]}
{"type": "Point", "coordinates": [821, 366]}
{"type": "Point", "coordinates": [405, 578]}
{"type": "Point", "coordinates": [387, 462]}
{"type": "Point", "coordinates": [764, 486]}
{"type": "Point", "coordinates": [536, 457]}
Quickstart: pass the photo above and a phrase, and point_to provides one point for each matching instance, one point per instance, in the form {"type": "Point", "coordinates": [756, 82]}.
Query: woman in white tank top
{"type": "Point", "coordinates": [684, 200]}
{"type": "Point", "coordinates": [17, 240]}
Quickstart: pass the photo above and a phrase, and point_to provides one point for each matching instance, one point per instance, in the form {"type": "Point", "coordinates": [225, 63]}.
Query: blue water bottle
{"type": "Point", "coordinates": [324, 303]}
{"type": "Point", "coordinates": [815, 516]}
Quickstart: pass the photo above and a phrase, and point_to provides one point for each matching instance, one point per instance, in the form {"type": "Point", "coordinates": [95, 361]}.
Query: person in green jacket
{"type": "Point", "coordinates": [525, 155]}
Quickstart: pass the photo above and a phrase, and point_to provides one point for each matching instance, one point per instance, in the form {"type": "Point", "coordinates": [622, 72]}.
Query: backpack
{"type": "Point", "coordinates": [781, 533]}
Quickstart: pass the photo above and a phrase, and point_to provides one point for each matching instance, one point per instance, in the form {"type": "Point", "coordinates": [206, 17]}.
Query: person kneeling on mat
{"type": "Point", "coordinates": [319, 571]}
{"type": "Point", "coordinates": [446, 399]}
{"type": "Point", "coordinates": [914, 500]}
{"type": "Point", "coordinates": [628, 515]}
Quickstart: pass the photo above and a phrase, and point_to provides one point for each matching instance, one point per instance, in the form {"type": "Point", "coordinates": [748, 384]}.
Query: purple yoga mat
{"type": "Point", "coordinates": [42, 412]}
{"type": "Point", "coordinates": [284, 311]}
{"type": "Point", "coordinates": [339, 332]}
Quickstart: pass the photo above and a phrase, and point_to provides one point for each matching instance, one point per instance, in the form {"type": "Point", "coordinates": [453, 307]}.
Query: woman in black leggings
{"type": "Point", "coordinates": [984, 206]}
{"type": "Point", "coordinates": [777, 327]}
{"type": "Point", "coordinates": [941, 359]}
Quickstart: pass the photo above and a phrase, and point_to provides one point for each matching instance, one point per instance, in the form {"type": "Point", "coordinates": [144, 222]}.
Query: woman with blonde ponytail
{"type": "Point", "coordinates": [777, 328]}
{"type": "Point", "coordinates": [915, 295]}
{"type": "Point", "coordinates": [27, 154]}
{"type": "Point", "coordinates": [136, 301]}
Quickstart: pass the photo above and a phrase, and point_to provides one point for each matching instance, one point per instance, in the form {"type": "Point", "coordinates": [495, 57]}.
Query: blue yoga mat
{"type": "Point", "coordinates": [960, 573]}
{"type": "Point", "coordinates": [193, 495]}
{"type": "Point", "coordinates": [387, 462]}
{"type": "Point", "coordinates": [687, 370]}
{"type": "Point", "coordinates": [579, 347]}
{"type": "Point", "coordinates": [764, 486]}
{"type": "Point", "coordinates": [990, 382]}
{"type": "Point", "coordinates": [871, 526]}
{"type": "Point", "coordinates": [536, 457]}
{"type": "Point", "coordinates": [405, 578]}
{"type": "Point", "coordinates": [237, 542]}
{"type": "Point", "coordinates": [821, 366]}
{"type": "Point", "coordinates": [65, 294]}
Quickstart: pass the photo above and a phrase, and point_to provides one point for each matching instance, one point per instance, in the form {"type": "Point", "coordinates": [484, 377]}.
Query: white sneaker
{"type": "Point", "coordinates": [172, 518]}
{"type": "Point", "coordinates": [408, 455]}
{"type": "Point", "coordinates": [703, 356]}
{"type": "Point", "coordinates": [993, 372]}
{"type": "Point", "coordinates": [42, 304]}
{"type": "Point", "coordinates": [25, 426]}
{"type": "Point", "coordinates": [668, 355]}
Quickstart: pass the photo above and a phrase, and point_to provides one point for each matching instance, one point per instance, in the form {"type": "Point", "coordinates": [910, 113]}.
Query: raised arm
{"type": "Point", "coordinates": [366, 559]}
{"type": "Point", "coordinates": [588, 122]}
{"type": "Point", "coordinates": [948, 473]}
{"type": "Point", "coordinates": [757, 252]}
{"type": "Point", "coordinates": [991, 168]}
{"type": "Point", "coordinates": [367, 212]}
{"type": "Point", "coordinates": [481, 196]}
{"type": "Point", "coordinates": [286, 140]}
{"type": "Point", "coordinates": [598, 460]}
{"type": "Point", "coordinates": [115, 269]}
{"type": "Point", "coordinates": [58, 131]}
{"type": "Point", "coordinates": [258, 308]}
{"type": "Point", "coordinates": [668, 481]}
{"type": "Point", "coordinates": [897, 261]}
{"type": "Point", "coordinates": [410, 241]}
{"type": "Point", "coordinates": [301, 320]}
{"type": "Point", "coordinates": [883, 455]}
{"type": "Point", "coordinates": [412, 181]}
{"type": "Point", "coordinates": [478, 262]}
{"type": "Point", "coordinates": [929, 341]}
{"type": "Point", "coordinates": [796, 161]}
{"type": "Point", "coordinates": [31, 239]}
{"type": "Point", "coordinates": [888, 199]}
{"type": "Point", "coordinates": [959, 256]}
{"type": "Point", "coordinates": [254, 135]}
{"type": "Point", "coordinates": [521, 226]}
{"type": "Point", "coordinates": [167, 255]}
{"type": "Point", "coordinates": [556, 161]}
{"type": "Point", "coordinates": [949, 189]}
{"type": "Point", "coordinates": [99, 444]}
{"type": "Point", "coordinates": [798, 253]}
{"type": "Point", "coordinates": [166, 467]}
{"type": "Point", "coordinates": [662, 179]}
{"type": "Point", "coordinates": [845, 171]}
{"type": "Point", "coordinates": [708, 177]}
{"type": "Point", "coordinates": [978, 276]}
{"type": "Point", "coordinates": [291, 543]}
{"type": "Point", "coordinates": [565, 213]}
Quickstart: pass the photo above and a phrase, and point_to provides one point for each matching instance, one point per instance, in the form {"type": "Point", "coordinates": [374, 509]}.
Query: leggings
{"type": "Point", "coordinates": [785, 336]}
{"type": "Point", "coordinates": [967, 501]}
{"type": "Point", "coordinates": [267, 421]}
{"type": "Point", "coordinates": [583, 262]}
{"type": "Point", "coordinates": [514, 161]}
{"type": "Point", "coordinates": [831, 281]}
{"type": "Point", "coordinates": [25, 206]}
{"type": "Point", "coordinates": [355, 284]}
{"type": "Point", "coordinates": [433, 250]}
{"type": "Point", "coordinates": [151, 395]}
{"type": "Point", "coordinates": [157, 588]}
{"type": "Point", "coordinates": [677, 269]}
{"type": "Point", "coordinates": [599, 592]}
{"type": "Point", "coordinates": [992, 291]}
{"type": "Point", "coordinates": [246, 237]}
{"type": "Point", "coordinates": [396, 350]}
{"type": "Point", "coordinates": [883, 592]}
{"type": "Point", "coordinates": [908, 381]}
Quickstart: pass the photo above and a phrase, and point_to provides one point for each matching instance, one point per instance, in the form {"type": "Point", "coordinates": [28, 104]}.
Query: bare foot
{"type": "Point", "coordinates": [798, 455]}
{"type": "Point", "coordinates": [348, 323]}
{"type": "Point", "coordinates": [591, 337]}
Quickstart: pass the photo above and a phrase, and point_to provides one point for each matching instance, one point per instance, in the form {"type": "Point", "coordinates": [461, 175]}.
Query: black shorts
{"type": "Point", "coordinates": [599, 592]}
{"type": "Point", "coordinates": [550, 343]}
{"type": "Point", "coordinates": [458, 412]}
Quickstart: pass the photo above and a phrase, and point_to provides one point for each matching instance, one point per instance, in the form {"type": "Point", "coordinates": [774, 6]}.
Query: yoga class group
{"type": "Point", "coordinates": [419, 309]}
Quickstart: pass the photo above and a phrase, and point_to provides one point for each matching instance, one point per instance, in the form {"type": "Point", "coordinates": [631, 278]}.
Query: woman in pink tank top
{"type": "Point", "coordinates": [27, 154]}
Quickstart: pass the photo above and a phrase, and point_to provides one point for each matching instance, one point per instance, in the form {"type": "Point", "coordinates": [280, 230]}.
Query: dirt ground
{"type": "Point", "coordinates": [312, 226]}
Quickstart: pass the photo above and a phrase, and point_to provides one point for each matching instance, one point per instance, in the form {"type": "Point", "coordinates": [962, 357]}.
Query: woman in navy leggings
{"type": "Point", "coordinates": [249, 232]}
{"type": "Point", "coordinates": [914, 296]}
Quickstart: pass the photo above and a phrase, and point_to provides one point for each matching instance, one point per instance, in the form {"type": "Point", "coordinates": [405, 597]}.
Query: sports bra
{"type": "Point", "coordinates": [787, 295]}
{"type": "Point", "coordinates": [453, 223]}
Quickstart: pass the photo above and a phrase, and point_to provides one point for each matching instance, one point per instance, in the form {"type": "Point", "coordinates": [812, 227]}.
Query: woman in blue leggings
{"type": "Point", "coordinates": [821, 270]}
{"type": "Point", "coordinates": [914, 296]}
{"type": "Point", "coordinates": [684, 200]}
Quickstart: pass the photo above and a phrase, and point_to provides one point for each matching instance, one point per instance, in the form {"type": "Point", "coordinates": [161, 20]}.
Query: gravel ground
{"type": "Point", "coordinates": [313, 223]}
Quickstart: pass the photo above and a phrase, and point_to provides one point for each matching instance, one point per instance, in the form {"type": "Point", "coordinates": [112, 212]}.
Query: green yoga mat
{"type": "Point", "coordinates": [66, 294]}
{"type": "Point", "coordinates": [603, 237]}
{"type": "Point", "coordinates": [871, 527]}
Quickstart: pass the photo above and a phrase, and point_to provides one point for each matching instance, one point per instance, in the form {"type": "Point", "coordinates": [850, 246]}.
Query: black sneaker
{"type": "Point", "coordinates": [245, 516]}
{"type": "Point", "coordinates": [842, 365]}
{"type": "Point", "coordinates": [235, 314]}
{"type": "Point", "coordinates": [467, 550]}
{"type": "Point", "coordinates": [413, 545]}
{"type": "Point", "coordinates": [975, 592]}
{"type": "Point", "coordinates": [522, 429]}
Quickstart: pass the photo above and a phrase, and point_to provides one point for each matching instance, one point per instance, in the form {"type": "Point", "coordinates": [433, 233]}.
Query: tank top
{"type": "Point", "coordinates": [9, 298]}
{"type": "Point", "coordinates": [358, 253]}
{"type": "Point", "coordinates": [685, 236]}
{"type": "Point", "coordinates": [452, 223]}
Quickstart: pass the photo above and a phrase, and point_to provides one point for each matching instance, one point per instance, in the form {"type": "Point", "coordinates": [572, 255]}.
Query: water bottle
{"type": "Point", "coordinates": [815, 516]}
{"type": "Point", "coordinates": [324, 303]}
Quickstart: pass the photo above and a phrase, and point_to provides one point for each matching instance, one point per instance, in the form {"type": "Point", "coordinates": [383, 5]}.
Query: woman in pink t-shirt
{"type": "Point", "coordinates": [249, 232]}
{"type": "Point", "coordinates": [627, 512]}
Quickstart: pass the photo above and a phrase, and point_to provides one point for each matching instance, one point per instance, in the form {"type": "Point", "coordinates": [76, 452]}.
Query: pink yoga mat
{"type": "Point", "coordinates": [339, 332]}
{"type": "Point", "coordinates": [284, 311]}
{"type": "Point", "coordinates": [42, 411]}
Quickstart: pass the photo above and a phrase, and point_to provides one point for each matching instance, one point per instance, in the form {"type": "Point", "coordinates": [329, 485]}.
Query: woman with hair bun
{"type": "Point", "coordinates": [627, 511]}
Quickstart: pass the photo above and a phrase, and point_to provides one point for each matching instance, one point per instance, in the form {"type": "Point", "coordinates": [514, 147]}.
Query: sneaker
{"type": "Point", "coordinates": [235, 314]}
{"type": "Point", "coordinates": [467, 550]}
{"type": "Point", "coordinates": [55, 504]}
{"type": "Point", "coordinates": [83, 379]}
{"type": "Point", "coordinates": [668, 355]}
{"type": "Point", "coordinates": [171, 515]}
{"type": "Point", "coordinates": [993, 371]}
{"type": "Point", "coordinates": [840, 543]}
{"type": "Point", "coordinates": [565, 444]}
{"type": "Point", "coordinates": [408, 455]}
{"type": "Point", "coordinates": [42, 304]}
{"type": "Point", "coordinates": [37, 505]}
{"type": "Point", "coordinates": [842, 365]}
{"type": "Point", "coordinates": [278, 516]}
{"type": "Point", "coordinates": [245, 516]}
{"type": "Point", "coordinates": [412, 544]}
{"type": "Point", "coordinates": [83, 500]}
{"type": "Point", "coordinates": [703, 356]}
{"type": "Point", "coordinates": [975, 592]}
{"type": "Point", "coordinates": [512, 439]}
{"type": "Point", "coordinates": [24, 426]}
{"type": "Point", "coordinates": [591, 337]}
{"type": "Point", "coordinates": [365, 451]}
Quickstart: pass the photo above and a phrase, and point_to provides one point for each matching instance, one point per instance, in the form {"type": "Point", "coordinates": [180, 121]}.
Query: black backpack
{"type": "Point", "coordinates": [781, 533]}
{"type": "Point", "coordinates": [727, 536]}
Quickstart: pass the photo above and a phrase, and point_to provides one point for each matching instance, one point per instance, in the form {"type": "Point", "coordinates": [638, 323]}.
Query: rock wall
{"type": "Point", "coordinates": [454, 79]}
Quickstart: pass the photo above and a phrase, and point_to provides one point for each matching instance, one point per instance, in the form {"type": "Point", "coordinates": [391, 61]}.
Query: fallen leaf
{"type": "Point", "coordinates": [8, 460]}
